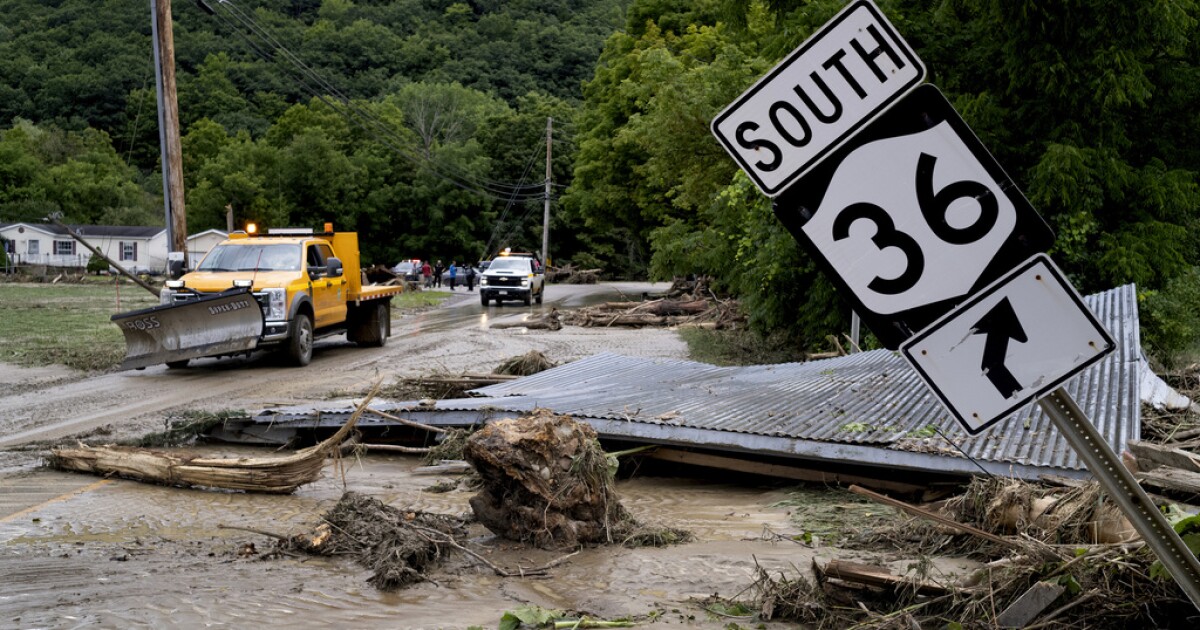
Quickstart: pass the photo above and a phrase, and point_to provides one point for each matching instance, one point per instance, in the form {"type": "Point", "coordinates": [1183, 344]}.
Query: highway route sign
{"type": "Point", "coordinates": [842, 76]}
{"type": "Point", "coordinates": [1012, 342]}
{"type": "Point", "coordinates": [912, 216]}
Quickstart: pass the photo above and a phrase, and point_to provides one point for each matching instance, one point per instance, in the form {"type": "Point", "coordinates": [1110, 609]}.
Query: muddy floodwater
{"type": "Point", "coordinates": [116, 553]}
{"type": "Point", "coordinates": [82, 551]}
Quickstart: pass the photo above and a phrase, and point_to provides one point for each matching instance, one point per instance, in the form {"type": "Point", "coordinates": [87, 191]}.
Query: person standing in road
{"type": "Point", "coordinates": [453, 274]}
{"type": "Point", "coordinates": [470, 277]}
{"type": "Point", "coordinates": [427, 271]}
{"type": "Point", "coordinates": [437, 274]}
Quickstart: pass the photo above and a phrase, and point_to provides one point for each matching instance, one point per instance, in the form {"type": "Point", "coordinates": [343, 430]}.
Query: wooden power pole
{"type": "Point", "coordinates": [546, 210]}
{"type": "Point", "coordinates": [168, 129]}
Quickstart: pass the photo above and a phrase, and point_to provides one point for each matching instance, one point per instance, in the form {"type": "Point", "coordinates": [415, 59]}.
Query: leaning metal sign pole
{"type": "Point", "coordinates": [891, 193]}
{"type": "Point", "coordinates": [1125, 491]}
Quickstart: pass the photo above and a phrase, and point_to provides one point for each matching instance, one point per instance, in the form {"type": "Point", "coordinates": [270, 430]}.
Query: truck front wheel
{"type": "Point", "coordinates": [300, 342]}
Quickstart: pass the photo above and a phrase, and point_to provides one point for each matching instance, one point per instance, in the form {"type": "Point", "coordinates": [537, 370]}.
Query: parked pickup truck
{"type": "Point", "coordinates": [513, 277]}
{"type": "Point", "coordinates": [281, 290]}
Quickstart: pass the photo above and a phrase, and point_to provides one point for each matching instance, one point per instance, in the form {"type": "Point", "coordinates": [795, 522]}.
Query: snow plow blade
{"type": "Point", "coordinates": [224, 323]}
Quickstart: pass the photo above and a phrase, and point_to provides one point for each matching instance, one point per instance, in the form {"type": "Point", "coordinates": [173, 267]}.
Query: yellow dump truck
{"type": "Point", "coordinates": [283, 290]}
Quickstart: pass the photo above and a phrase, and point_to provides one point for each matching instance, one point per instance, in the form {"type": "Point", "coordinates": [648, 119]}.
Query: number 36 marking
{"type": "Point", "coordinates": [912, 220]}
{"type": "Point", "coordinates": [934, 208]}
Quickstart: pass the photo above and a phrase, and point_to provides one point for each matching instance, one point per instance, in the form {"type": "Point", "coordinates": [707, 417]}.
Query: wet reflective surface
{"type": "Point", "coordinates": [126, 554]}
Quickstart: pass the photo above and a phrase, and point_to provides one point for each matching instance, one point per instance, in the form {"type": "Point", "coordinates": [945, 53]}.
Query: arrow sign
{"type": "Point", "coordinates": [1012, 342]}
{"type": "Point", "coordinates": [999, 326]}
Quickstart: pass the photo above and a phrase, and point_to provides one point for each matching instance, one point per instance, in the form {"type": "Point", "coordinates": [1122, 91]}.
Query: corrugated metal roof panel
{"type": "Point", "coordinates": [870, 398]}
{"type": "Point", "coordinates": [868, 408]}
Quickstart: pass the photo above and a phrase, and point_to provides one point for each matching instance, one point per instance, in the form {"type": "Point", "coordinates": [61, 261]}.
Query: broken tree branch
{"type": "Point", "coordinates": [937, 518]}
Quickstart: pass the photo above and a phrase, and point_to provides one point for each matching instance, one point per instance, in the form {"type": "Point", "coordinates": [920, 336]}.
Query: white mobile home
{"type": "Point", "coordinates": [140, 249]}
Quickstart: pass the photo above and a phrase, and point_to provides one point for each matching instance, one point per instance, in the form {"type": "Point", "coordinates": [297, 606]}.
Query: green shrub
{"type": "Point", "coordinates": [96, 265]}
{"type": "Point", "coordinates": [1170, 320]}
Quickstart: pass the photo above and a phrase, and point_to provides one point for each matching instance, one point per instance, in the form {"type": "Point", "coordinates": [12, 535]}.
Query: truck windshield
{"type": "Point", "coordinates": [266, 257]}
{"type": "Point", "coordinates": [510, 264]}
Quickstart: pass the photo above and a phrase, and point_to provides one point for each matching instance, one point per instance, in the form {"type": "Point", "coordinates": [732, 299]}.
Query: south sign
{"type": "Point", "coordinates": [818, 97]}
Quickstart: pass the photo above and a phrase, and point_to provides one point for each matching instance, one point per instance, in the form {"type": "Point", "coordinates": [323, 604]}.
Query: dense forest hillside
{"type": "Point", "coordinates": [414, 116]}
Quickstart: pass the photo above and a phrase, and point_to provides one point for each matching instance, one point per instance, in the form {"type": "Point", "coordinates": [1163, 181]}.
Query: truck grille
{"type": "Point", "coordinates": [504, 281]}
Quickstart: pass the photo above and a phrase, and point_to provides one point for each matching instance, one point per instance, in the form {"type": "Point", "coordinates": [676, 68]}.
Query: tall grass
{"type": "Point", "coordinates": [66, 324]}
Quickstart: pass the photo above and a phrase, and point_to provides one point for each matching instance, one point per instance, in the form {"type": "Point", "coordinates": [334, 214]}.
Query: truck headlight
{"type": "Point", "coordinates": [483, 281]}
{"type": "Point", "coordinates": [275, 308]}
{"type": "Point", "coordinates": [524, 282]}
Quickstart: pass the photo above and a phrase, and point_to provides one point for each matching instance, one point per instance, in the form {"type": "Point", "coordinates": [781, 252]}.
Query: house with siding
{"type": "Point", "coordinates": [137, 248]}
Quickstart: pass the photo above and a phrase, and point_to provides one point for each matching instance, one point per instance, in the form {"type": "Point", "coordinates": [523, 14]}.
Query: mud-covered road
{"type": "Point", "coordinates": [80, 551]}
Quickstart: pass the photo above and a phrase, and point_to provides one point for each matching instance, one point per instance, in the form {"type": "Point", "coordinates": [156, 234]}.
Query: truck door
{"type": "Point", "coordinates": [328, 293]}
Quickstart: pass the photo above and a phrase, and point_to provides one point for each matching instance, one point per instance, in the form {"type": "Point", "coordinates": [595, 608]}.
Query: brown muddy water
{"type": "Point", "coordinates": [120, 554]}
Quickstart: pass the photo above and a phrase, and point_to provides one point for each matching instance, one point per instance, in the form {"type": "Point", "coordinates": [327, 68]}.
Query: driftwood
{"type": "Point", "coordinates": [548, 321]}
{"type": "Point", "coordinates": [276, 475]}
{"type": "Point", "coordinates": [568, 274]}
{"type": "Point", "coordinates": [937, 518]}
{"type": "Point", "coordinates": [690, 311]}
{"type": "Point", "coordinates": [880, 577]}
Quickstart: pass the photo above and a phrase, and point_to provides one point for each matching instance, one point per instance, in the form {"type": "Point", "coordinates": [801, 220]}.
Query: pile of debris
{"type": "Point", "coordinates": [400, 547]}
{"type": "Point", "coordinates": [569, 274]}
{"type": "Point", "coordinates": [443, 385]}
{"type": "Point", "coordinates": [1053, 557]}
{"type": "Point", "coordinates": [546, 481]}
{"type": "Point", "coordinates": [708, 313]}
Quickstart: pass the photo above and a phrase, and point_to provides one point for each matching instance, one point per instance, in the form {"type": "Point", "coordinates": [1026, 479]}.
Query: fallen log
{"type": "Point", "coordinates": [1151, 456]}
{"type": "Point", "coordinates": [273, 475]}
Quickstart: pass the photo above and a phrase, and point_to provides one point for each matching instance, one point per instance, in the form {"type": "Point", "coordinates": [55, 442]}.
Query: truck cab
{"type": "Point", "coordinates": [513, 276]}
{"type": "Point", "coordinates": [306, 285]}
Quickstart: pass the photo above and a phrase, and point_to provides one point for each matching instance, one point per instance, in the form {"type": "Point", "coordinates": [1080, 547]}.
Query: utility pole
{"type": "Point", "coordinates": [546, 211]}
{"type": "Point", "coordinates": [168, 131]}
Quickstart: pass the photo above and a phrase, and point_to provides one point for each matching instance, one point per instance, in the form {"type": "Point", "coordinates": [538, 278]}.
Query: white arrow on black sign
{"type": "Point", "coordinates": [1014, 341]}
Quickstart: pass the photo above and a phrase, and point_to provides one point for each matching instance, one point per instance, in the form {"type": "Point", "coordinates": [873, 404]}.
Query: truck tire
{"type": "Point", "coordinates": [541, 294]}
{"type": "Point", "coordinates": [483, 299]}
{"type": "Point", "coordinates": [300, 341]}
{"type": "Point", "coordinates": [528, 299]}
{"type": "Point", "coordinates": [373, 326]}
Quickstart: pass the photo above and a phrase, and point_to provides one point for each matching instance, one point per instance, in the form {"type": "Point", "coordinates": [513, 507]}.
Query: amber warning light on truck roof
{"type": "Point", "coordinates": [252, 228]}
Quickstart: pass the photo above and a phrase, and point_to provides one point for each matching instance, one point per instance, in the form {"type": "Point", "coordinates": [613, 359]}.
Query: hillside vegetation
{"type": "Point", "coordinates": [422, 123]}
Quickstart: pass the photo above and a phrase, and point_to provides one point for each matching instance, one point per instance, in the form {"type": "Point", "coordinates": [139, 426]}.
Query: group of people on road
{"type": "Point", "coordinates": [431, 275]}
{"type": "Point", "coordinates": [467, 271]}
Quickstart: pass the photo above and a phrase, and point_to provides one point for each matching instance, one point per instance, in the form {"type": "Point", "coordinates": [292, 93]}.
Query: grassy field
{"type": "Point", "coordinates": [68, 324]}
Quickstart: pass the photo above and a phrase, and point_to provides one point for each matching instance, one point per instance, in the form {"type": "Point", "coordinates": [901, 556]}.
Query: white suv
{"type": "Point", "coordinates": [513, 278]}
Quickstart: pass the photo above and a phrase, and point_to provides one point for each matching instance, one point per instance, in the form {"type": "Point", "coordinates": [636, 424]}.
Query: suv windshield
{"type": "Point", "coordinates": [266, 257]}
{"type": "Point", "coordinates": [510, 264]}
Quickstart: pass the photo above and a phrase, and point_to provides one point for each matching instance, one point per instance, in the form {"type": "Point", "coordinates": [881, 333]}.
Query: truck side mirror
{"type": "Point", "coordinates": [333, 267]}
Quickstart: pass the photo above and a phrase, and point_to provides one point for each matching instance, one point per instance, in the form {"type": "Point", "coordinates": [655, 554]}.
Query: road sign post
{"type": "Point", "coordinates": [920, 227]}
{"type": "Point", "coordinates": [1125, 491]}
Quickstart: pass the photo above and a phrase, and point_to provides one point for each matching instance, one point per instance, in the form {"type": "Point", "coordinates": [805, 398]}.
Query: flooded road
{"type": "Point", "coordinates": [123, 554]}
{"type": "Point", "coordinates": [80, 551]}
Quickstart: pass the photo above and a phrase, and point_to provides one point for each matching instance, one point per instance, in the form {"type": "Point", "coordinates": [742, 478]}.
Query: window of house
{"type": "Point", "coordinates": [64, 248]}
{"type": "Point", "coordinates": [33, 248]}
{"type": "Point", "coordinates": [128, 251]}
